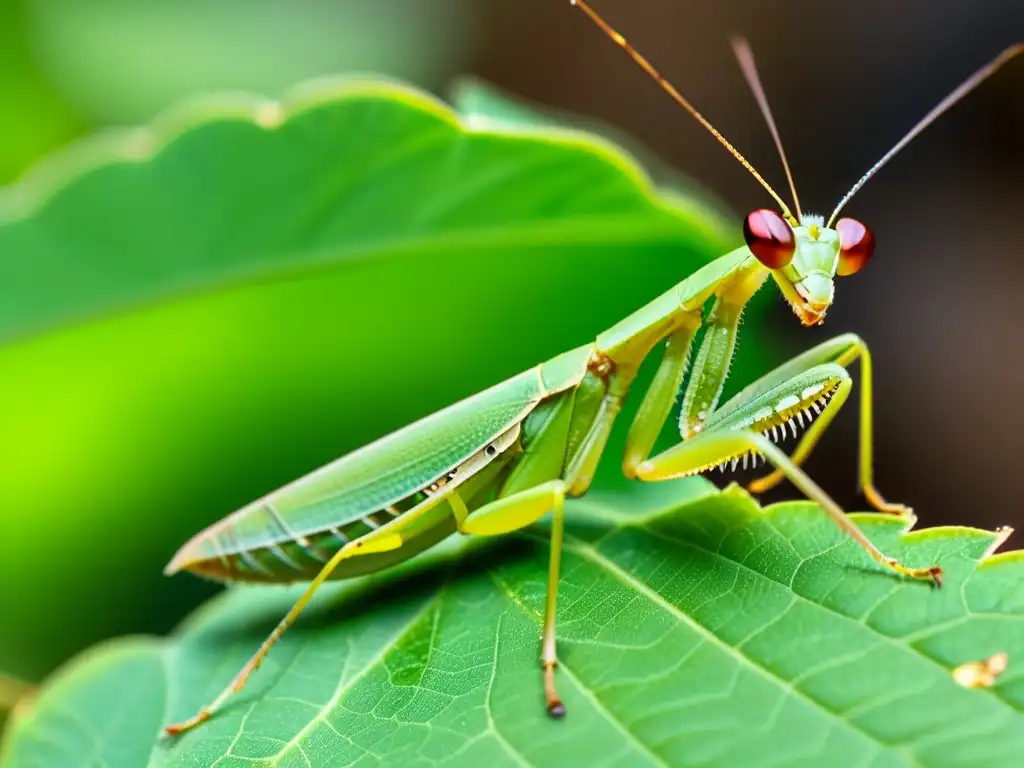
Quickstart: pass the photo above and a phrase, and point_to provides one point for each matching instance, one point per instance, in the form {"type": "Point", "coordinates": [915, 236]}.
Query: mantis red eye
{"type": "Point", "coordinates": [856, 244]}
{"type": "Point", "coordinates": [769, 238]}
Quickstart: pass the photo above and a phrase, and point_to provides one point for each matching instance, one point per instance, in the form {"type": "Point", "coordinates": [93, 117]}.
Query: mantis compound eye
{"type": "Point", "coordinates": [769, 238]}
{"type": "Point", "coordinates": [856, 244]}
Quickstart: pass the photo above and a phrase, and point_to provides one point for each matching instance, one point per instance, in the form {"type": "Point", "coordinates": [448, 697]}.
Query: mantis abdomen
{"type": "Point", "coordinates": [281, 553]}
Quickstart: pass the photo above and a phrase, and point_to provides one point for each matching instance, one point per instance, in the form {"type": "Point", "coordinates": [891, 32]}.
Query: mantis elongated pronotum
{"type": "Point", "coordinates": [500, 460]}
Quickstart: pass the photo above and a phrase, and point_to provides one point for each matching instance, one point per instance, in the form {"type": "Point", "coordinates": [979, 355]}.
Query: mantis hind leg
{"type": "Point", "coordinates": [715, 447]}
{"type": "Point", "coordinates": [370, 544]}
{"type": "Point", "coordinates": [842, 351]}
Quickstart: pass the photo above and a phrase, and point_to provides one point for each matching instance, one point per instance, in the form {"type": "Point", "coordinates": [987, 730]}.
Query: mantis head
{"type": "Point", "coordinates": [803, 252]}
{"type": "Point", "coordinates": [805, 257]}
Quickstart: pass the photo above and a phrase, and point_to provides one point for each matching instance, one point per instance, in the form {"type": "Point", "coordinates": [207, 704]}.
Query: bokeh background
{"type": "Point", "coordinates": [940, 305]}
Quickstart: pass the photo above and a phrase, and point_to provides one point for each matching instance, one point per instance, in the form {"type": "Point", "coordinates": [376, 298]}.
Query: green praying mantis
{"type": "Point", "coordinates": [502, 459]}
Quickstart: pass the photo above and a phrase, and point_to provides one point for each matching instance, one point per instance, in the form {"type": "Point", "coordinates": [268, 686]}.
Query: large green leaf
{"type": "Point", "coordinates": [403, 176]}
{"type": "Point", "coordinates": [268, 285]}
{"type": "Point", "coordinates": [699, 632]}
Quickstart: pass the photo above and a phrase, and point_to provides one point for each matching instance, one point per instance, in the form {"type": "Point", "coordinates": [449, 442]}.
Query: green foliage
{"type": "Point", "coordinates": [202, 310]}
{"type": "Point", "coordinates": [485, 105]}
{"type": "Point", "coordinates": [699, 632]}
{"type": "Point", "coordinates": [121, 61]}
{"type": "Point", "coordinates": [405, 180]}
{"type": "Point", "coordinates": [36, 117]}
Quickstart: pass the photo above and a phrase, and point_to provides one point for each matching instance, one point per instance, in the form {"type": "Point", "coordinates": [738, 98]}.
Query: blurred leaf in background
{"type": "Point", "coordinates": [485, 105]}
{"type": "Point", "coordinates": [34, 116]}
{"type": "Point", "coordinates": [65, 68]}
{"type": "Point", "coordinates": [262, 296]}
{"type": "Point", "coordinates": [68, 66]}
{"type": "Point", "coordinates": [122, 61]}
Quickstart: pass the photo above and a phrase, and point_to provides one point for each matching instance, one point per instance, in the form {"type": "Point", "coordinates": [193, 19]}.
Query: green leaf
{"type": "Point", "coordinates": [483, 104]}
{"type": "Point", "coordinates": [123, 60]}
{"type": "Point", "coordinates": [201, 310]}
{"type": "Point", "coordinates": [697, 632]}
{"type": "Point", "coordinates": [43, 118]}
{"type": "Point", "coordinates": [141, 217]}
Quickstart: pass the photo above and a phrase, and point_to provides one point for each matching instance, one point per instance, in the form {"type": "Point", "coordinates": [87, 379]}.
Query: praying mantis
{"type": "Point", "coordinates": [500, 460]}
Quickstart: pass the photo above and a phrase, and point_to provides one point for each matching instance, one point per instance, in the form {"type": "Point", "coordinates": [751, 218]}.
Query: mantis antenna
{"type": "Point", "coordinates": [745, 57]}
{"type": "Point", "coordinates": [647, 67]}
{"type": "Point", "coordinates": [962, 90]}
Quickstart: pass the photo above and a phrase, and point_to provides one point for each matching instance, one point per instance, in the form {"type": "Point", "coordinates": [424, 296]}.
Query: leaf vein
{"type": "Point", "coordinates": [892, 640]}
{"type": "Point", "coordinates": [600, 559]}
{"type": "Point", "coordinates": [347, 685]}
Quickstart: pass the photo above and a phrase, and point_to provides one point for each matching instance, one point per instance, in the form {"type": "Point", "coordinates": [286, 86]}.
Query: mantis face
{"type": "Point", "coordinates": [804, 259]}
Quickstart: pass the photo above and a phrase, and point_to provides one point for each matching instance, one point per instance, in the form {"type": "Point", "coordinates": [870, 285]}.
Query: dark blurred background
{"type": "Point", "coordinates": [940, 305]}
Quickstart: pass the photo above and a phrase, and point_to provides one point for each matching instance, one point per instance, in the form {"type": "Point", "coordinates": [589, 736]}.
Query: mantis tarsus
{"type": "Point", "coordinates": [500, 460]}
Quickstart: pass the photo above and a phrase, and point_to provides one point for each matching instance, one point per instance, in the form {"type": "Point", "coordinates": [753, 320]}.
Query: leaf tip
{"type": "Point", "coordinates": [1000, 535]}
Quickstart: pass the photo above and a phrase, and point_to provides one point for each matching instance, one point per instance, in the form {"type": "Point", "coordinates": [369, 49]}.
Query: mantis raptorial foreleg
{"type": "Point", "coordinates": [712, 437]}
{"type": "Point", "coordinates": [733, 289]}
{"type": "Point", "coordinates": [711, 366]}
{"type": "Point", "coordinates": [841, 350]}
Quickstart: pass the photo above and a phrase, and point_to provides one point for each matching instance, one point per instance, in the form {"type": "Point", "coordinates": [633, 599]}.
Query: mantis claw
{"type": "Point", "coordinates": [886, 507]}
{"type": "Point", "coordinates": [896, 510]}
{"type": "Point", "coordinates": [556, 709]}
{"type": "Point", "coordinates": [932, 573]}
{"type": "Point", "coordinates": [176, 729]}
